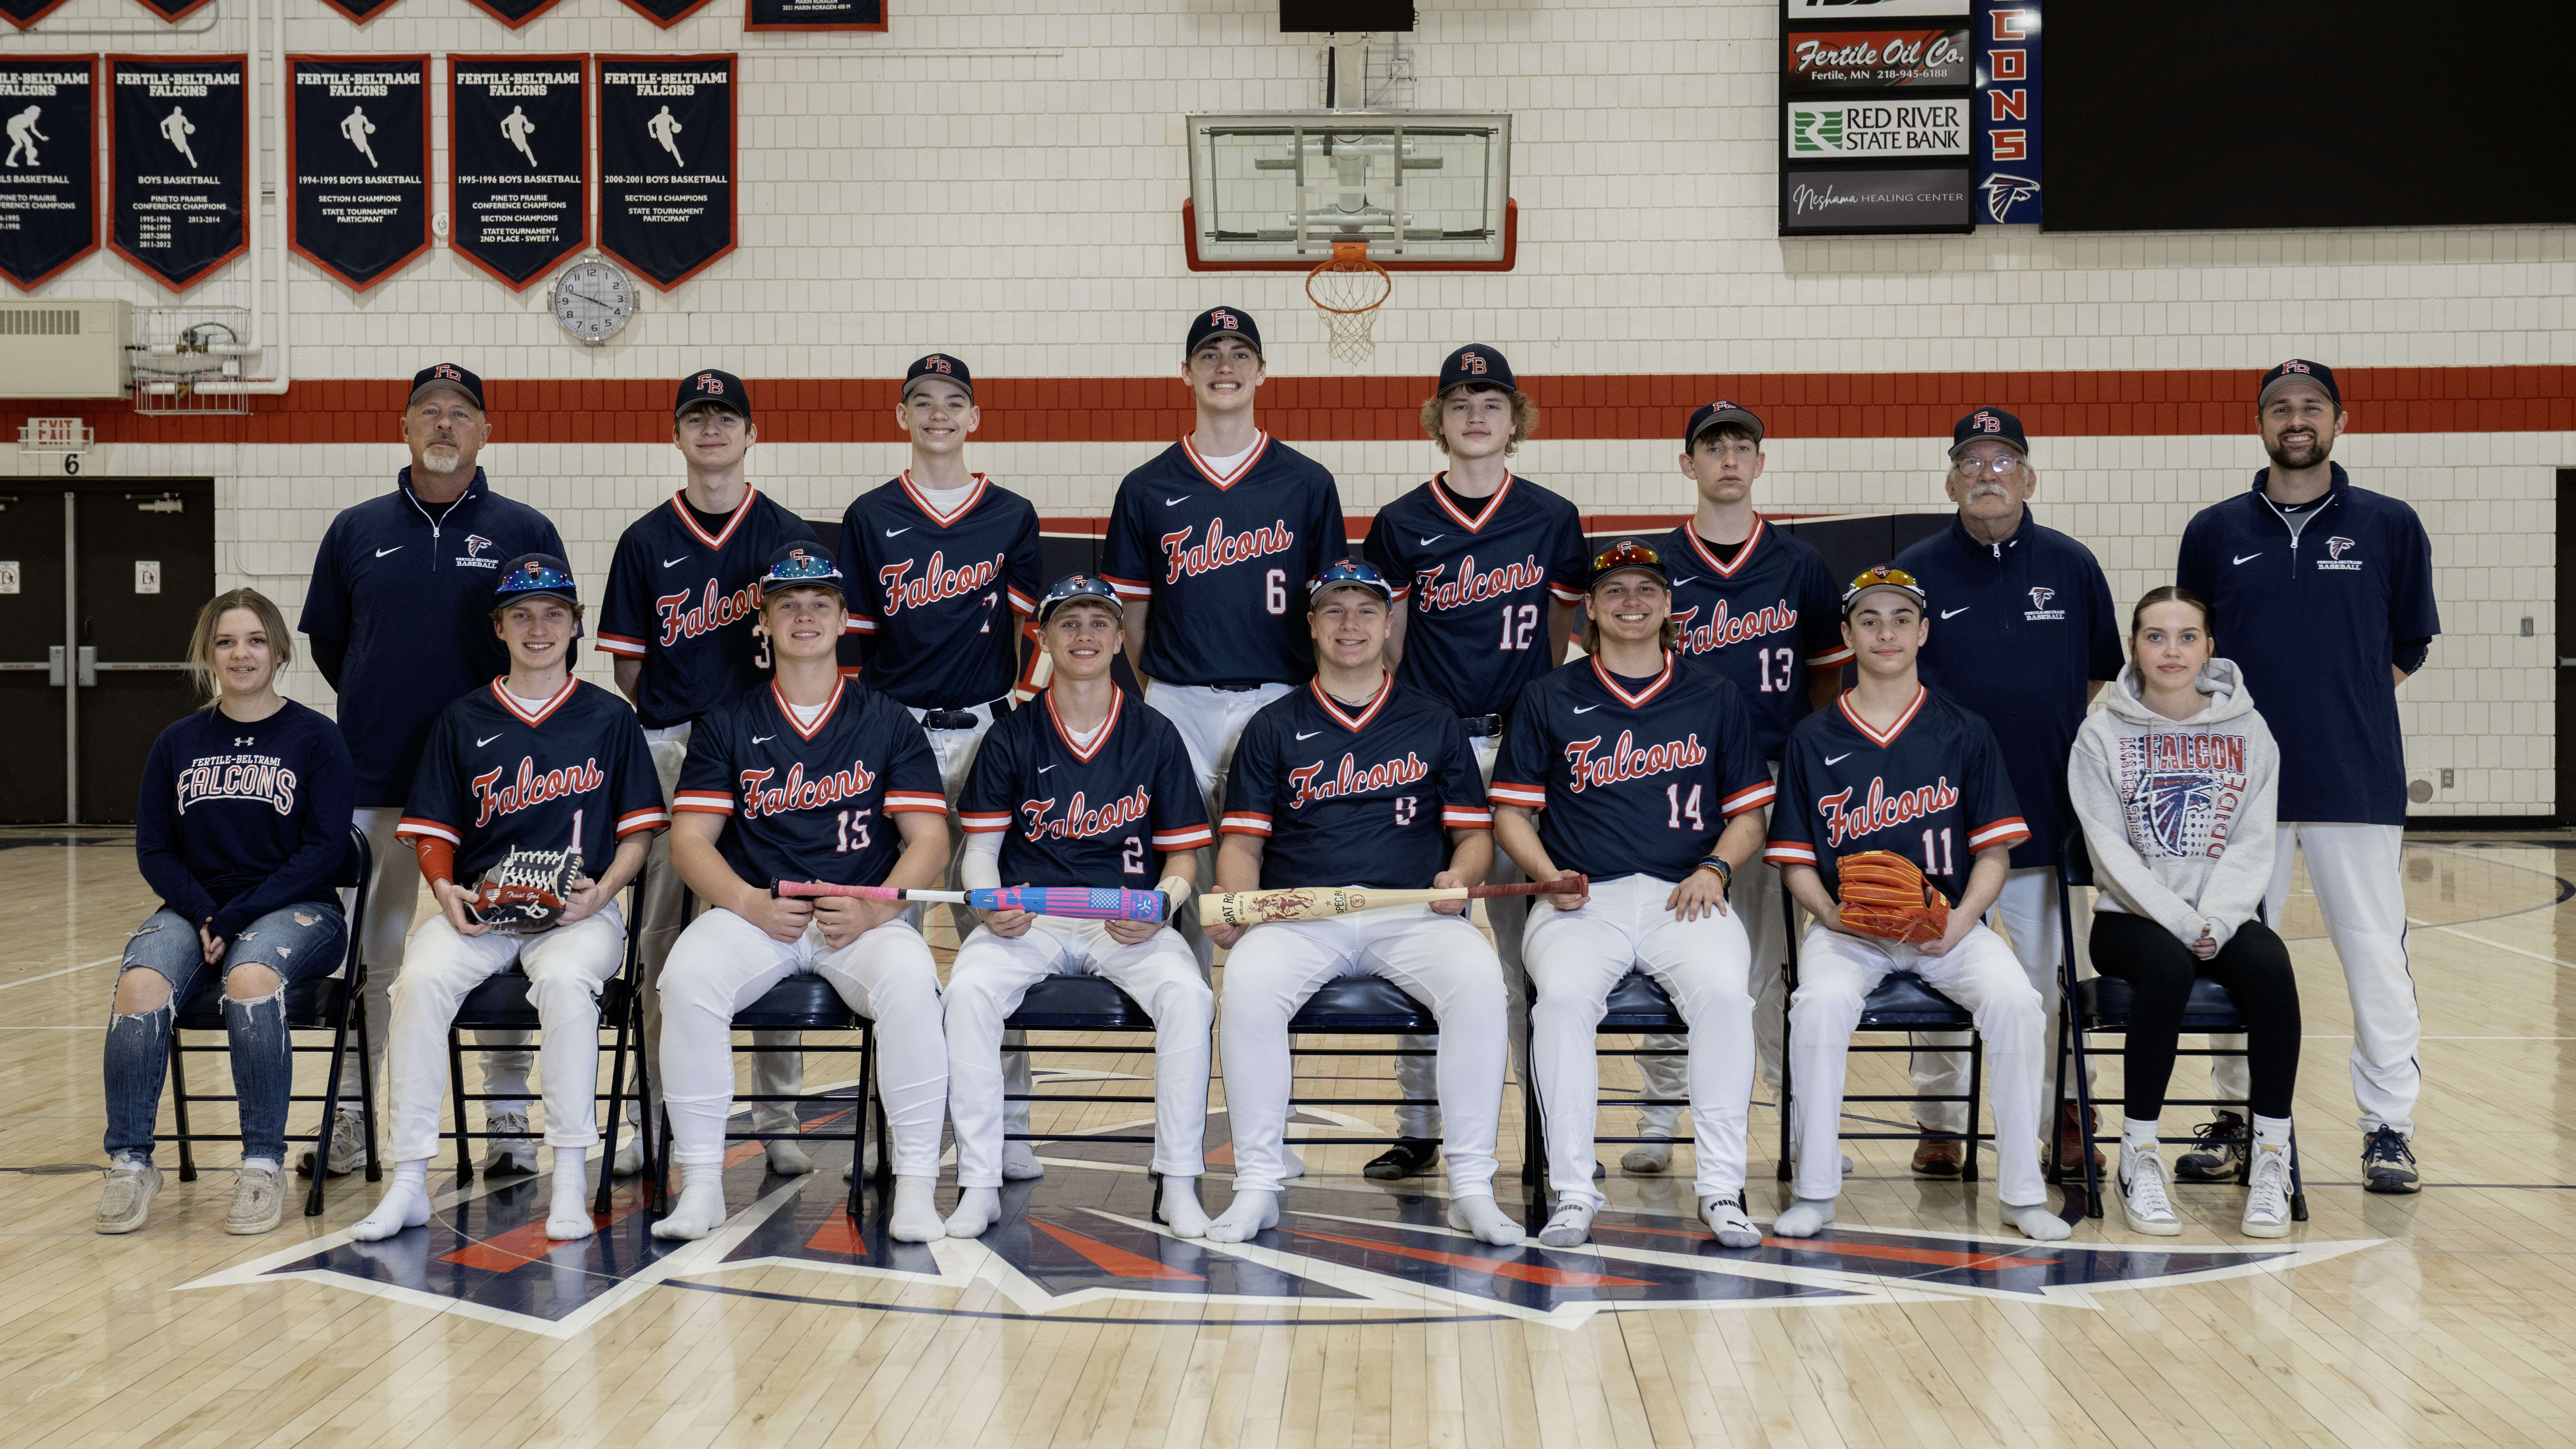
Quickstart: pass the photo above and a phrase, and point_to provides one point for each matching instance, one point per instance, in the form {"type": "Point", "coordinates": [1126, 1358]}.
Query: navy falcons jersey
{"type": "Point", "coordinates": [1076, 816]}
{"type": "Point", "coordinates": [1225, 560]}
{"type": "Point", "coordinates": [1354, 799]}
{"type": "Point", "coordinates": [680, 599]}
{"type": "Point", "coordinates": [573, 772]}
{"type": "Point", "coordinates": [1631, 776]}
{"type": "Point", "coordinates": [1763, 623]}
{"type": "Point", "coordinates": [936, 595]}
{"type": "Point", "coordinates": [810, 803]}
{"type": "Point", "coordinates": [1477, 586]}
{"type": "Point", "coordinates": [1933, 788]}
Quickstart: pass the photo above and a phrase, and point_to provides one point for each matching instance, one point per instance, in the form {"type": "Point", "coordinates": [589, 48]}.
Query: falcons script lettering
{"type": "Point", "coordinates": [1471, 587]}
{"type": "Point", "coordinates": [796, 792]}
{"type": "Point", "coordinates": [1183, 559]}
{"type": "Point", "coordinates": [531, 788]}
{"type": "Point", "coordinates": [714, 610]}
{"type": "Point", "coordinates": [1080, 821]}
{"type": "Point", "coordinates": [938, 582]}
{"type": "Point", "coordinates": [1880, 809]}
{"type": "Point", "coordinates": [1627, 762]}
{"type": "Point", "coordinates": [1724, 628]}
{"type": "Point", "coordinates": [1351, 779]}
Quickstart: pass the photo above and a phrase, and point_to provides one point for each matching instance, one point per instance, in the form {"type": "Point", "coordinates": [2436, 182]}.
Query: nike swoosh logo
{"type": "Point", "coordinates": [2243, 557]}
{"type": "Point", "coordinates": [1677, 583]}
{"type": "Point", "coordinates": [1435, 538]}
{"type": "Point", "coordinates": [1310, 734]}
{"type": "Point", "coordinates": [762, 739]}
{"type": "Point", "coordinates": [397, 548]}
{"type": "Point", "coordinates": [1585, 708]}
{"type": "Point", "coordinates": [898, 532]}
{"type": "Point", "coordinates": [1837, 759]}
{"type": "Point", "coordinates": [1945, 613]}
{"type": "Point", "coordinates": [1168, 502]}
{"type": "Point", "coordinates": [666, 563]}
{"type": "Point", "coordinates": [487, 739]}
{"type": "Point", "coordinates": [1042, 769]}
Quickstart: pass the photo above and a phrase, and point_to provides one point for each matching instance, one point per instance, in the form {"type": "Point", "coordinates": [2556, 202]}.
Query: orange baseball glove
{"type": "Point", "coordinates": [1884, 894]}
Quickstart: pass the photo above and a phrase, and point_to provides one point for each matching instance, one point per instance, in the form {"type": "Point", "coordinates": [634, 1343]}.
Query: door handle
{"type": "Point", "coordinates": [88, 665]}
{"type": "Point", "coordinates": [2567, 663]}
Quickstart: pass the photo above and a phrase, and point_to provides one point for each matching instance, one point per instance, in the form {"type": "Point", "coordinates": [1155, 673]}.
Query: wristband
{"type": "Point", "coordinates": [1725, 872]}
{"type": "Point", "coordinates": [1175, 891]}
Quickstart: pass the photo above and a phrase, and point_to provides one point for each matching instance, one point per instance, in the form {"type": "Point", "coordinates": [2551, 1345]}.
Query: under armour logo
{"type": "Point", "coordinates": [710, 384]}
{"type": "Point", "coordinates": [1472, 362]}
{"type": "Point", "coordinates": [2039, 597]}
{"type": "Point", "coordinates": [1223, 319]}
{"type": "Point", "coordinates": [241, 740]}
{"type": "Point", "coordinates": [2335, 546]}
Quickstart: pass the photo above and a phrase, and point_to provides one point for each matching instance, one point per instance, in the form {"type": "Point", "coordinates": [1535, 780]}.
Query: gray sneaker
{"type": "Point", "coordinates": [348, 1144]}
{"type": "Point", "coordinates": [127, 1198]}
{"type": "Point", "coordinates": [2219, 1150]}
{"type": "Point", "coordinates": [512, 1149]}
{"type": "Point", "coordinates": [259, 1200]}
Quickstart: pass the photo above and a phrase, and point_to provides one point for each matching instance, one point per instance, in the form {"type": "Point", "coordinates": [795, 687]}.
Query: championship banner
{"type": "Point", "coordinates": [514, 13]}
{"type": "Point", "coordinates": [174, 9]}
{"type": "Point", "coordinates": [666, 13]}
{"type": "Point", "coordinates": [360, 11]}
{"type": "Point", "coordinates": [518, 149]}
{"type": "Point", "coordinates": [177, 164]}
{"type": "Point", "coordinates": [357, 163]}
{"type": "Point", "coordinates": [2007, 145]}
{"type": "Point", "coordinates": [24, 13]}
{"type": "Point", "coordinates": [49, 189]}
{"type": "Point", "coordinates": [815, 15]}
{"type": "Point", "coordinates": [666, 163]}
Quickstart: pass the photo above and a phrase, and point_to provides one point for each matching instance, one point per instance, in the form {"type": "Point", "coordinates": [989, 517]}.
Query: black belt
{"type": "Point", "coordinates": [954, 719]}
{"type": "Point", "coordinates": [1234, 688]}
{"type": "Point", "coordinates": [1478, 726]}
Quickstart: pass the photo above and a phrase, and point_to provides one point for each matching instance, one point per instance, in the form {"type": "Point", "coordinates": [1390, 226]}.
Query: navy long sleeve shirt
{"type": "Point", "coordinates": [238, 819]}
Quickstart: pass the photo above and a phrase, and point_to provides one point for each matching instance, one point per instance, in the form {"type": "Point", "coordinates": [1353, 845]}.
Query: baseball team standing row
{"type": "Point", "coordinates": [812, 712]}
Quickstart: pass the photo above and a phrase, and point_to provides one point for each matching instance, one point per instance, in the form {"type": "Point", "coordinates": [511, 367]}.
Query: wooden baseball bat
{"type": "Point", "coordinates": [1082, 903]}
{"type": "Point", "coordinates": [1305, 903]}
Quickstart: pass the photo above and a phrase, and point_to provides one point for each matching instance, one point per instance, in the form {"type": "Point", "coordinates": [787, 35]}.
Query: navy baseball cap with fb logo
{"type": "Point", "coordinates": [1478, 364]}
{"type": "Point", "coordinates": [942, 367]}
{"type": "Point", "coordinates": [1223, 322]}
{"type": "Point", "coordinates": [451, 377]}
{"type": "Point", "coordinates": [1989, 423]}
{"type": "Point", "coordinates": [2299, 369]}
{"type": "Point", "coordinates": [1719, 414]}
{"type": "Point", "coordinates": [713, 388]}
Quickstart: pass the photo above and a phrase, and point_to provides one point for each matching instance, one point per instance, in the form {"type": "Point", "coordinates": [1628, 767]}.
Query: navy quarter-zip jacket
{"type": "Point", "coordinates": [408, 597]}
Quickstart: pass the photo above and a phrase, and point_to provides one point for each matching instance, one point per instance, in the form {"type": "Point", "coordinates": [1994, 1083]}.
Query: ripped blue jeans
{"type": "Point", "coordinates": [296, 942]}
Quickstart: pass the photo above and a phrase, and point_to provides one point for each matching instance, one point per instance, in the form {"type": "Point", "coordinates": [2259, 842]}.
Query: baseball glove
{"type": "Point", "coordinates": [527, 892]}
{"type": "Point", "coordinates": [1883, 894]}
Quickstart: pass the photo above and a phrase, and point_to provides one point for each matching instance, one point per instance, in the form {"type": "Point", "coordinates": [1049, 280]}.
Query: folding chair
{"type": "Point", "coordinates": [1357, 1006]}
{"type": "Point", "coordinates": [1638, 1006]}
{"type": "Point", "coordinates": [2102, 1006]}
{"type": "Point", "coordinates": [323, 1003]}
{"type": "Point", "coordinates": [501, 1003]}
{"type": "Point", "coordinates": [1084, 1004]}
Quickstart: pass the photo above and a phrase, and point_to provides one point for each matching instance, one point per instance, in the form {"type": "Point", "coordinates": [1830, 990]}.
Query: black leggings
{"type": "Point", "coordinates": [2254, 967]}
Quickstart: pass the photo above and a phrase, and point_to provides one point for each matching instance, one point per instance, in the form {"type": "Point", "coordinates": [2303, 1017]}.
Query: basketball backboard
{"type": "Point", "coordinates": [1426, 190]}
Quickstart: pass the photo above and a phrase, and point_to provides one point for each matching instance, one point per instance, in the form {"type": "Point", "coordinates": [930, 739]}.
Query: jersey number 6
{"type": "Point", "coordinates": [1274, 591]}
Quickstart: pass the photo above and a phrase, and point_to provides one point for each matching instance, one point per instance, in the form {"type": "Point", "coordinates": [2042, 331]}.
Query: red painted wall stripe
{"type": "Point", "coordinates": [1325, 409]}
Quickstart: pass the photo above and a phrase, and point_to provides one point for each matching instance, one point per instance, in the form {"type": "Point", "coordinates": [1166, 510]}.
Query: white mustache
{"type": "Point", "coordinates": [1983, 489]}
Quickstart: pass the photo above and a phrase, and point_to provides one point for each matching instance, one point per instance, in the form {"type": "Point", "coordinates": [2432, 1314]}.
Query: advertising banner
{"type": "Point", "coordinates": [177, 164]}
{"type": "Point", "coordinates": [1824, 61]}
{"type": "Point", "coordinates": [1844, 200]}
{"type": "Point", "coordinates": [357, 160]}
{"type": "Point", "coordinates": [2007, 139]}
{"type": "Point", "coordinates": [1853, 130]}
{"type": "Point", "coordinates": [518, 147]}
{"type": "Point", "coordinates": [49, 189]}
{"type": "Point", "coordinates": [816, 15]}
{"type": "Point", "coordinates": [666, 163]}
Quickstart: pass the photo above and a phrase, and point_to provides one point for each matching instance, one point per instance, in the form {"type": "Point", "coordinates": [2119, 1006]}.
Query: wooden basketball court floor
{"type": "Point", "coordinates": [2442, 1318]}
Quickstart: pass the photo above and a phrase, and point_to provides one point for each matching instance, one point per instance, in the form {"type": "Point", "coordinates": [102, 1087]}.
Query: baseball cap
{"type": "Point", "coordinates": [534, 576]}
{"type": "Point", "coordinates": [1629, 555]}
{"type": "Point", "coordinates": [1989, 423]}
{"type": "Point", "coordinates": [1349, 573]}
{"type": "Point", "coordinates": [2299, 369]}
{"type": "Point", "coordinates": [800, 566]}
{"type": "Point", "coordinates": [715, 389]}
{"type": "Point", "coordinates": [1223, 322]}
{"type": "Point", "coordinates": [1083, 588]}
{"type": "Point", "coordinates": [940, 365]}
{"type": "Point", "coordinates": [1476, 363]}
{"type": "Point", "coordinates": [1885, 576]}
{"type": "Point", "coordinates": [1719, 414]}
{"type": "Point", "coordinates": [450, 376]}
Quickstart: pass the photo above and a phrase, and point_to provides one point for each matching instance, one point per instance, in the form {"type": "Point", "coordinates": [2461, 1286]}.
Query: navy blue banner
{"type": "Point", "coordinates": [177, 158]}
{"type": "Point", "coordinates": [518, 146]}
{"type": "Point", "coordinates": [49, 188]}
{"type": "Point", "coordinates": [816, 15]}
{"type": "Point", "coordinates": [357, 160]}
{"type": "Point", "coordinates": [666, 163]}
{"type": "Point", "coordinates": [2007, 140]}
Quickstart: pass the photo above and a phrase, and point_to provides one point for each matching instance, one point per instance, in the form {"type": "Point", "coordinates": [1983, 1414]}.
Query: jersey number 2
{"type": "Point", "coordinates": [1132, 860]}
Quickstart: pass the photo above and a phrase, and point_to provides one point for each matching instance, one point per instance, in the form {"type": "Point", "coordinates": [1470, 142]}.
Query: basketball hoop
{"type": "Point", "coordinates": [1348, 290]}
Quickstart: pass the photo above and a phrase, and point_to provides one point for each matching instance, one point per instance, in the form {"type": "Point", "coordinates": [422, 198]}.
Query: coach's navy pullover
{"type": "Point", "coordinates": [2315, 617]}
{"type": "Point", "coordinates": [238, 819]}
{"type": "Point", "coordinates": [2018, 630]}
{"type": "Point", "coordinates": [410, 598]}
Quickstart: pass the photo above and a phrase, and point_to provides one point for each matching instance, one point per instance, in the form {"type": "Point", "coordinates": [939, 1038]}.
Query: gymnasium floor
{"type": "Point", "coordinates": [2438, 1319]}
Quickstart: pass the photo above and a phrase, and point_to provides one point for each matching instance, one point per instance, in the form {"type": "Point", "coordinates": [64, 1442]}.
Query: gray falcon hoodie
{"type": "Point", "coordinates": [2179, 814]}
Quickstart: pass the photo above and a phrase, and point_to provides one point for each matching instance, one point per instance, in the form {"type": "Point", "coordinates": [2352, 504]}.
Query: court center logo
{"type": "Point", "coordinates": [1082, 1242]}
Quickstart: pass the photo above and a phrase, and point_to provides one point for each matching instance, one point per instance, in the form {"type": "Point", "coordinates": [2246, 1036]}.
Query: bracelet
{"type": "Point", "coordinates": [1725, 872]}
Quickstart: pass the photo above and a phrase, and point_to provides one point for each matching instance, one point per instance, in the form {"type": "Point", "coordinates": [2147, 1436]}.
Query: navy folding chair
{"type": "Point", "coordinates": [501, 1003]}
{"type": "Point", "coordinates": [1084, 1004]}
{"type": "Point", "coordinates": [322, 1003]}
{"type": "Point", "coordinates": [1358, 1006]}
{"type": "Point", "coordinates": [2101, 1006]}
{"type": "Point", "coordinates": [1638, 1006]}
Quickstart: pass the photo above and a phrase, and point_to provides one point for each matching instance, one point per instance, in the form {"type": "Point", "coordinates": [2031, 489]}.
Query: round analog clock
{"type": "Point", "coordinates": [592, 300]}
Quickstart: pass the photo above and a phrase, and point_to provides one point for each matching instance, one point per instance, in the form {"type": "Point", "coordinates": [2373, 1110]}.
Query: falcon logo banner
{"type": "Point", "coordinates": [357, 138]}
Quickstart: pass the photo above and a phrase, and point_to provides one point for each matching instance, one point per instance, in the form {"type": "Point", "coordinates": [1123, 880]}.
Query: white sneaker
{"type": "Point", "coordinates": [2142, 1194]}
{"type": "Point", "coordinates": [348, 1144]}
{"type": "Point", "coordinates": [259, 1201]}
{"type": "Point", "coordinates": [2267, 1198]}
{"type": "Point", "coordinates": [513, 1150]}
{"type": "Point", "coordinates": [126, 1199]}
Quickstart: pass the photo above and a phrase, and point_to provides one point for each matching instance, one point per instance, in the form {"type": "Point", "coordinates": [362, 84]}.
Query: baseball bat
{"type": "Point", "coordinates": [1080, 903]}
{"type": "Point", "coordinates": [1306, 903]}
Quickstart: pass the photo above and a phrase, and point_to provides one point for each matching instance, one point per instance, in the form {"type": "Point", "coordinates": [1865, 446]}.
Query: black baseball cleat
{"type": "Point", "coordinates": [2218, 1152]}
{"type": "Point", "coordinates": [2388, 1163]}
{"type": "Point", "coordinates": [1409, 1157]}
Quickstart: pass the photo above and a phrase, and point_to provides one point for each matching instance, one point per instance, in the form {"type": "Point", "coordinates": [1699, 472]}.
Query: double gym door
{"type": "Point", "coordinates": [100, 583]}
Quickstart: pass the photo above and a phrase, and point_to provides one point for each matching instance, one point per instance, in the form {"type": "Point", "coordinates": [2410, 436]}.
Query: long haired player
{"type": "Point", "coordinates": [1648, 778]}
{"type": "Point", "coordinates": [1357, 780]}
{"type": "Point", "coordinates": [535, 763]}
{"type": "Point", "coordinates": [1084, 787]}
{"type": "Point", "coordinates": [814, 778]}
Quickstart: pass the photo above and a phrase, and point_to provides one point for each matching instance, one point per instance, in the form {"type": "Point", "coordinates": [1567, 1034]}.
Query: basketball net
{"type": "Point", "coordinates": [1348, 290]}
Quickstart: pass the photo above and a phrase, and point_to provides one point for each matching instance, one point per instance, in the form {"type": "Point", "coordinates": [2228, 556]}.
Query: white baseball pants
{"type": "Point", "coordinates": [1575, 958]}
{"type": "Point", "coordinates": [1439, 960]}
{"type": "Point", "coordinates": [1836, 974]}
{"type": "Point", "coordinates": [565, 966]}
{"type": "Point", "coordinates": [1507, 917]}
{"type": "Point", "coordinates": [993, 974]}
{"type": "Point", "coordinates": [723, 963]}
{"type": "Point", "coordinates": [2028, 909]}
{"type": "Point", "coordinates": [1768, 919]}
